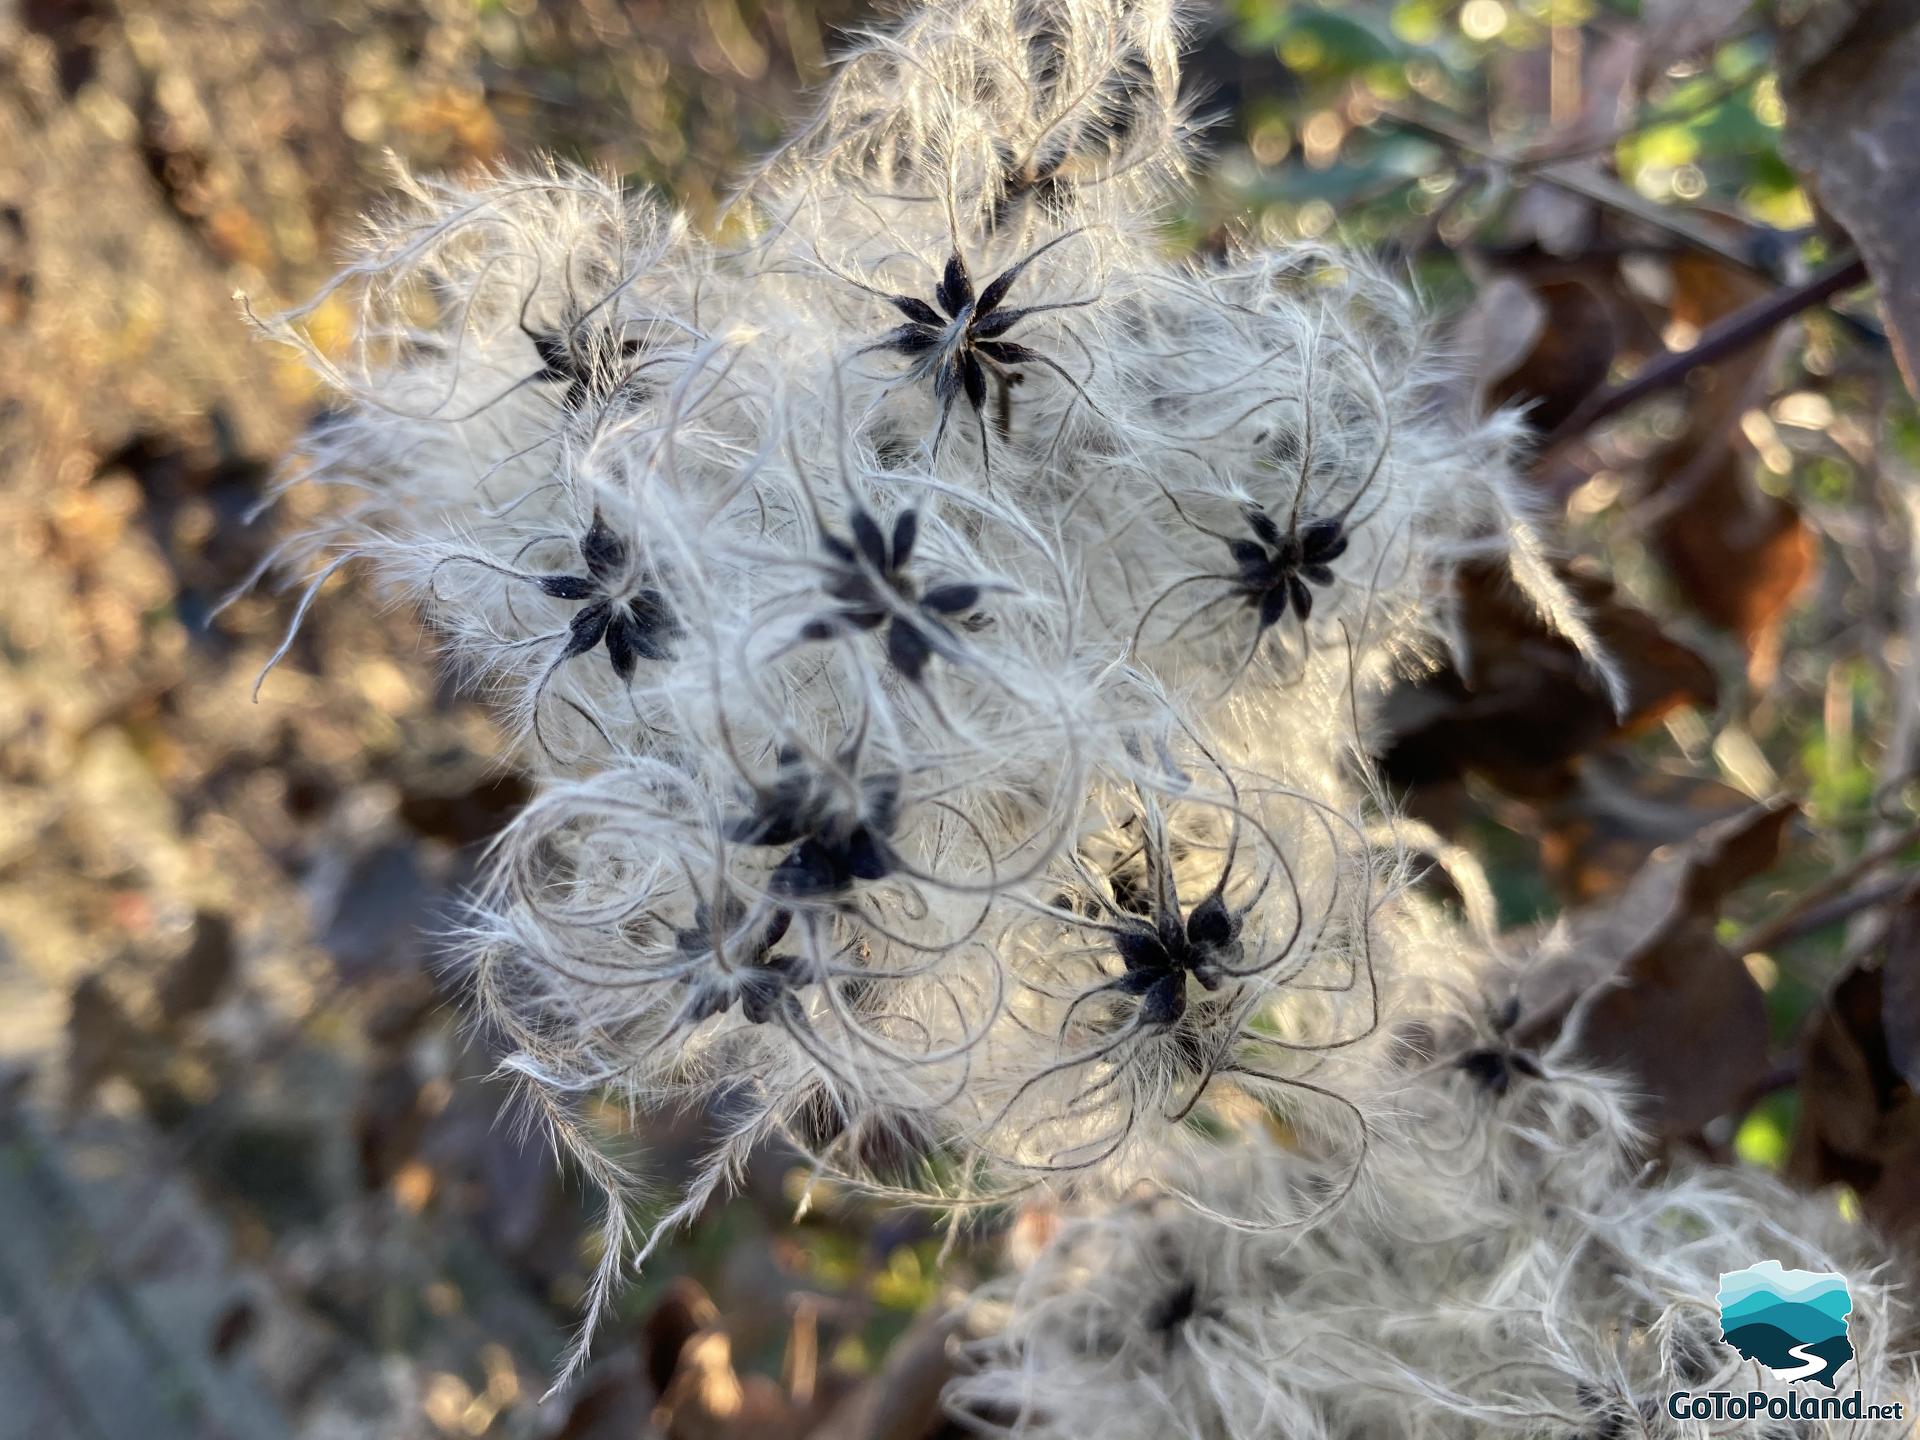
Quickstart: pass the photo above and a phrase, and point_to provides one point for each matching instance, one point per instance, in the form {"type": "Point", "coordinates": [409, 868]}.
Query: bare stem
{"type": "Point", "coordinates": [1725, 337]}
{"type": "Point", "coordinates": [1834, 898]}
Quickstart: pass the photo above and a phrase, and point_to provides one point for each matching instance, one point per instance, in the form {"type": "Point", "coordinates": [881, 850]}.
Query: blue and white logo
{"type": "Point", "coordinates": [1794, 1322]}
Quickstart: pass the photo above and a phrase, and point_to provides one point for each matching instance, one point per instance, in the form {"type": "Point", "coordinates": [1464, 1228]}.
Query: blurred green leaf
{"type": "Point", "coordinates": [1766, 1135]}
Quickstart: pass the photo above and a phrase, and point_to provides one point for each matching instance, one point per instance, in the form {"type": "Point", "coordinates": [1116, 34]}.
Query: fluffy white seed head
{"type": "Point", "coordinates": [1512, 1272]}
{"type": "Point", "coordinates": [941, 626]}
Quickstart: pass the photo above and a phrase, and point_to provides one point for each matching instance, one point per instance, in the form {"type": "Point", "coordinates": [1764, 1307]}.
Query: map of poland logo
{"type": "Point", "coordinates": [1794, 1322]}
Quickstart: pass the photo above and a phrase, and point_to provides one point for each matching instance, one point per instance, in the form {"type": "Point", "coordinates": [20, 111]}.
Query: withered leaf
{"type": "Point", "coordinates": [1740, 556]}
{"type": "Point", "coordinates": [1850, 76]}
{"type": "Point", "coordinates": [682, 1313]}
{"type": "Point", "coordinates": [1640, 985]}
{"type": "Point", "coordinates": [463, 815]}
{"type": "Point", "coordinates": [1568, 359]}
{"type": "Point", "coordinates": [687, 1354]}
{"type": "Point", "coordinates": [619, 1396]}
{"type": "Point", "coordinates": [707, 1399]}
{"type": "Point", "coordinates": [1522, 704]}
{"type": "Point", "coordinates": [1859, 1114]}
{"type": "Point", "coordinates": [1500, 328]}
{"type": "Point", "coordinates": [1900, 987]}
{"type": "Point", "coordinates": [902, 1401]}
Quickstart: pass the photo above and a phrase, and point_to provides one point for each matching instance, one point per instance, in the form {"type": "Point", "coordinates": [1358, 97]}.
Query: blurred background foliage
{"type": "Point", "coordinates": [252, 1165]}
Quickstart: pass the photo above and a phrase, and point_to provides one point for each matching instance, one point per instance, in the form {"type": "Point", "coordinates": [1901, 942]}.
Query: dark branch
{"type": "Point", "coordinates": [1725, 337]}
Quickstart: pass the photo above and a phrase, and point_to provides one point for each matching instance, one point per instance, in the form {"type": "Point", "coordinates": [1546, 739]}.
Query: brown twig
{"type": "Point", "coordinates": [1725, 337]}
{"type": "Point", "coordinates": [1649, 119]}
{"type": "Point", "coordinates": [1898, 888]}
{"type": "Point", "coordinates": [1833, 899]}
{"type": "Point", "coordinates": [1584, 180]}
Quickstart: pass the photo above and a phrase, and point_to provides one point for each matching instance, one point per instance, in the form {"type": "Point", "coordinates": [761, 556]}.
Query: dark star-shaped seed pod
{"type": "Point", "coordinates": [1493, 1067]}
{"type": "Point", "coordinates": [845, 847]}
{"type": "Point", "coordinates": [1276, 567]}
{"type": "Point", "coordinates": [587, 357]}
{"type": "Point", "coordinates": [745, 969]}
{"type": "Point", "coordinates": [960, 343]}
{"type": "Point", "coordinates": [1161, 952]}
{"type": "Point", "coordinates": [868, 578]}
{"type": "Point", "coordinates": [830, 844]}
{"type": "Point", "coordinates": [1160, 941]}
{"type": "Point", "coordinates": [635, 621]}
{"type": "Point", "coordinates": [785, 810]}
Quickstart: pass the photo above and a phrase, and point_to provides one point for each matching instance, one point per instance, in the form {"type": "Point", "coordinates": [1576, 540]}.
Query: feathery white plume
{"type": "Point", "coordinates": [941, 628]}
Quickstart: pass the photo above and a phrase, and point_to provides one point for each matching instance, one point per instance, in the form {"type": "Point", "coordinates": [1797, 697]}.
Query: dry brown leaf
{"type": "Point", "coordinates": [708, 1400]}
{"type": "Point", "coordinates": [1851, 80]}
{"type": "Point", "coordinates": [1641, 986]}
{"type": "Point", "coordinates": [1689, 1027]}
{"type": "Point", "coordinates": [1859, 1115]}
{"type": "Point", "coordinates": [1740, 556]}
{"type": "Point", "coordinates": [465, 814]}
{"type": "Point", "coordinates": [687, 1354]}
{"type": "Point", "coordinates": [683, 1312]}
{"type": "Point", "coordinates": [1525, 705]}
{"type": "Point", "coordinates": [1570, 356]}
{"type": "Point", "coordinates": [902, 1401]}
{"type": "Point", "coordinates": [1499, 330]}
{"type": "Point", "coordinates": [1900, 986]}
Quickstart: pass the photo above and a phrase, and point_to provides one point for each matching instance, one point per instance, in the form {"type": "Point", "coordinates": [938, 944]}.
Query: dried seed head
{"type": "Point", "coordinates": [938, 626]}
